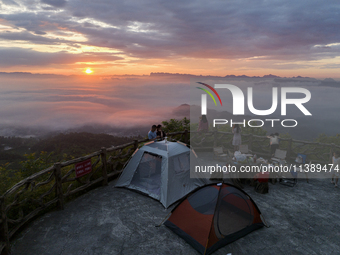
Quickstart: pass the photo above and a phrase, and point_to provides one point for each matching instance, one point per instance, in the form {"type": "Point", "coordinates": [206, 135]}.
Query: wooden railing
{"type": "Point", "coordinates": [55, 185]}
{"type": "Point", "coordinates": [316, 152]}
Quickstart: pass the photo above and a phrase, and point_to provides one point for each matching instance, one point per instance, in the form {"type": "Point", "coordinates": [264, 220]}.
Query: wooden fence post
{"type": "Point", "coordinates": [186, 136]}
{"type": "Point", "coordinates": [104, 162]}
{"type": "Point", "coordinates": [215, 138]}
{"type": "Point", "coordinates": [250, 146]}
{"type": "Point", "coordinates": [289, 149]}
{"type": "Point", "coordinates": [135, 146]}
{"type": "Point", "coordinates": [331, 152]}
{"type": "Point", "coordinates": [4, 235]}
{"type": "Point", "coordinates": [58, 186]}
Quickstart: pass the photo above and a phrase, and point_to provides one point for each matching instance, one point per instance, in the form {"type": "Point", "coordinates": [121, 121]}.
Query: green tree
{"type": "Point", "coordinates": [7, 178]}
{"type": "Point", "coordinates": [174, 125]}
{"type": "Point", "coordinates": [33, 164]}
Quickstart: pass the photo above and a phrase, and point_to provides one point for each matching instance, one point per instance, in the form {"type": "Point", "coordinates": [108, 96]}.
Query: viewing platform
{"type": "Point", "coordinates": [108, 220]}
{"type": "Point", "coordinates": [55, 211]}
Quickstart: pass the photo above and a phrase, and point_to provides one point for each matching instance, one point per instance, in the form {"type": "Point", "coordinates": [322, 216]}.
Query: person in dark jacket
{"type": "Point", "coordinates": [160, 133]}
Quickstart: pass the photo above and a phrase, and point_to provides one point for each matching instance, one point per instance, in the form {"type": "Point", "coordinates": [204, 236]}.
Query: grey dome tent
{"type": "Point", "coordinates": [160, 170]}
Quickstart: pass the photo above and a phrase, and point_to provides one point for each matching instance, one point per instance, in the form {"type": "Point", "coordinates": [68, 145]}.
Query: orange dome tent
{"type": "Point", "coordinates": [213, 216]}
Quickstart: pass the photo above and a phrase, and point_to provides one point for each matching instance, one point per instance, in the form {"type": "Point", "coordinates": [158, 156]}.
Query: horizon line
{"type": "Point", "coordinates": [165, 74]}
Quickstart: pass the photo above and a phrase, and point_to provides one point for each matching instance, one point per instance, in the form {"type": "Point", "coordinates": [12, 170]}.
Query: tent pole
{"type": "Point", "coordinates": [206, 246]}
{"type": "Point", "coordinates": [212, 222]}
{"type": "Point", "coordinates": [163, 220]}
{"type": "Point", "coordinates": [265, 223]}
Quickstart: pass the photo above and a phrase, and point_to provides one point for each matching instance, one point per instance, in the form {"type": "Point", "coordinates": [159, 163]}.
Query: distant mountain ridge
{"type": "Point", "coordinates": [213, 76]}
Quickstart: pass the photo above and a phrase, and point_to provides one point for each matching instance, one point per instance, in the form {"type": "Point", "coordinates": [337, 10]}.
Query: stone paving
{"type": "Point", "coordinates": [304, 219]}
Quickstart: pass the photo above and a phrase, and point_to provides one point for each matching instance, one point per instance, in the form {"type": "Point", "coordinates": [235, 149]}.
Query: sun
{"type": "Point", "coordinates": [88, 71]}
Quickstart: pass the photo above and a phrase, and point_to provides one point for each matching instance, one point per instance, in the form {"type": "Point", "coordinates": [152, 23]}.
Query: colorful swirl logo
{"type": "Point", "coordinates": [209, 93]}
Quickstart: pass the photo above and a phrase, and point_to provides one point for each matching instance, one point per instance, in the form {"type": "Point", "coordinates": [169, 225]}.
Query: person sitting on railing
{"type": "Point", "coordinates": [203, 125]}
{"type": "Point", "coordinates": [152, 135]}
{"type": "Point", "coordinates": [274, 142]}
{"type": "Point", "coordinates": [160, 133]}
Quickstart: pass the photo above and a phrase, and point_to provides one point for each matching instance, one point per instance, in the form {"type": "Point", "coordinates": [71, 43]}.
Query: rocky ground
{"type": "Point", "coordinates": [304, 219]}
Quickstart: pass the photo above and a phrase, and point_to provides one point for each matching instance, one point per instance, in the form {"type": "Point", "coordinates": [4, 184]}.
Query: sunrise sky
{"type": "Point", "coordinates": [96, 56]}
{"type": "Point", "coordinates": [285, 38]}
